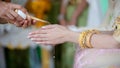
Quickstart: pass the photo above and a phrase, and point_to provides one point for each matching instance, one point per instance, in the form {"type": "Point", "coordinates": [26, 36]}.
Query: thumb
{"type": "Point", "coordinates": [15, 6]}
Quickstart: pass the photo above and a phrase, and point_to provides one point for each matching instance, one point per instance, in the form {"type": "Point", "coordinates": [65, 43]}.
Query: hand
{"type": "Point", "coordinates": [51, 34]}
{"type": "Point", "coordinates": [28, 22]}
{"type": "Point", "coordinates": [7, 12]}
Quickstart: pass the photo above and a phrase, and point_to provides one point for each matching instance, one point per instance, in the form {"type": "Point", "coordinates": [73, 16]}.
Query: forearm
{"type": "Point", "coordinates": [61, 16]}
{"type": "Point", "coordinates": [64, 4]}
{"type": "Point", "coordinates": [103, 40]}
{"type": "Point", "coordinates": [80, 8]}
{"type": "Point", "coordinates": [2, 21]}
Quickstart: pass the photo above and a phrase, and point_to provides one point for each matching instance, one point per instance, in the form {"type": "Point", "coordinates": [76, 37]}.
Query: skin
{"type": "Point", "coordinates": [56, 34]}
{"type": "Point", "coordinates": [7, 14]}
{"type": "Point", "coordinates": [79, 9]}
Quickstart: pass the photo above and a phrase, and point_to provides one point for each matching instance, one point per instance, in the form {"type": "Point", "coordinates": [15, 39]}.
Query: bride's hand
{"type": "Point", "coordinates": [51, 34]}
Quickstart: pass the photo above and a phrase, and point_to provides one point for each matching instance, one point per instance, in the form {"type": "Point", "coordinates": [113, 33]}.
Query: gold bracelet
{"type": "Point", "coordinates": [82, 39]}
{"type": "Point", "coordinates": [88, 38]}
{"type": "Point", "coordinates": [85, 38]}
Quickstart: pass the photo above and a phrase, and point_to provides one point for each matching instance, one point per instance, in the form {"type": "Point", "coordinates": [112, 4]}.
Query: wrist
{"type": "Point", "coordinates": [72, 37]}
{"type": "Point", "coordinates": [61, 17]}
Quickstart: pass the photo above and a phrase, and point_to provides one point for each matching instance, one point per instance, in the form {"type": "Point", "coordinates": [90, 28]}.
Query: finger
{"type": "Point", "coordinates": [45, 42]}
{"type": "Point", "coordinates": [16, 16]}
{"type": "Point", "coordinates": [25, 24]}
{"type": "Point", "coordinates": [36, 39]}
{"type": "Point", "coordinates": [43, 37]}
{"type": "Point", "coordinates": [49, 27]}
{"type": "Point", "coordinates": [29, 20]}
{"type": "Point", "coordinates": [33, 22]}
{"type": "Point", "coordinates": [11, 21]}
{"type": "Point", "coordinates": [52, 42]}
{"type": "Point", "coordinates": [39, 39]}
{"type": "Point", "coordinates": [15, 6]}
{"type": "Point", "coordinates": [10, 17]}
{"type": "Point", "coordinates": [16, 23]}
{"type": "Point", "coordinates": [38, 36]}
{"type": "Point", "coordinates": [6, 18]}
{"type": "Point", "coordinates": [41, 43]}
{"type": "Point", "coordinates": [20, 24]}
{"type": "Point", "coordinates": [40, 31]}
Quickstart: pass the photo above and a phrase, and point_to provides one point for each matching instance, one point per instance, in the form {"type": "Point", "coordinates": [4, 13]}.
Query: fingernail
{"type": "Point", "coordinates": [28, 36]}
{"type": "Point", "coordinates": [43, 27]}
{"type": "Point", "coordinates": [30, 33]}
{"type": "Point", "coordinates": [32, 39]}
{"type": "Point", "coordinates": [37, 42]}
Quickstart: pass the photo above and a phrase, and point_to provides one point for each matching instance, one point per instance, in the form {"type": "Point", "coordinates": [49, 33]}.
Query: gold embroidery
{"type": "Point", "coordinates": [116, 26]}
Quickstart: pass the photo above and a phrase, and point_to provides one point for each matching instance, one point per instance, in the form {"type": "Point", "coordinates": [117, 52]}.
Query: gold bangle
{"type": "Point", "coordinates": [82, 39]}
{"type": "Point", "coordinates": [85, 38]}
{"type": "Point", "coordinates": [88, 38]}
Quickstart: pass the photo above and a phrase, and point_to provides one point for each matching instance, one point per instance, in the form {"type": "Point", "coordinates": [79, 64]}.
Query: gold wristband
{"type": "Point", "coordinates": [88, 38]}
{"type": "Point", "coordinates": [85, 38]}
{"type": "Point", "coordinates": [82, 39]}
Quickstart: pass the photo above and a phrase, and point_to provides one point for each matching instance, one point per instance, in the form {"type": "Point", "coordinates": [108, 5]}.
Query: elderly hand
{"type": "Point", "coordinates": [53, 34]}
{"type": "Point", "coordinates": [7, 12]}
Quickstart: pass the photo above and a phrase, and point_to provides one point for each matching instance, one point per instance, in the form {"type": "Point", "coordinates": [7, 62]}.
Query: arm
{"type": "Point", "coordinates": [64, 4]}
{"type": "Point", "coordinates": [55, 34]}
{"type": "Point", "coordinates": [61, 17]}
{"type": "Point", "coordinates": [2, 21]}
{"type": "Point", "coordinates": [80, 8]}
{"type": "Point", "coordinates": [102, 40]}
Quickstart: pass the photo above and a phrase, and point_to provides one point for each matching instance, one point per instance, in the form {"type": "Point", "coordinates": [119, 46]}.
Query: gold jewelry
{"type": "Point", "coordinates": [116, 27]}
{"type": "Point", "coordinates": [85, 38]}
{"type": "Point", "coordinates": [88, 40]}
{"type": "Point", "coordinates": [116, 24]}
{"type": "Point", "coordinates": [82, 39]}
